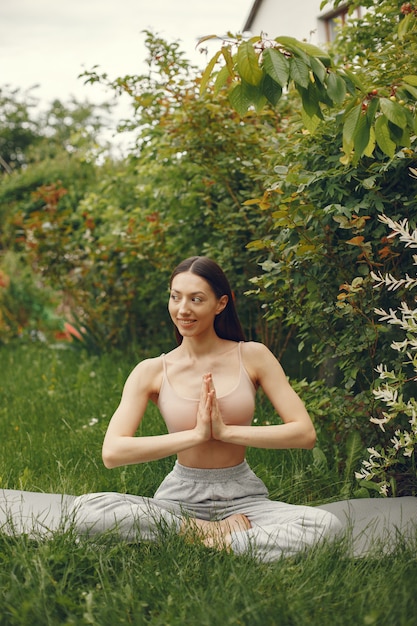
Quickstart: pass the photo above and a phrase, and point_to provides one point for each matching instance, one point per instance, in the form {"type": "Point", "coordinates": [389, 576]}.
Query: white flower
{"type": "Point", "coordinates": [92, 422]}
{"type": "Point", "coordinates": [397, 443]}
{"type": "Point", "coordinates": [384, 489]}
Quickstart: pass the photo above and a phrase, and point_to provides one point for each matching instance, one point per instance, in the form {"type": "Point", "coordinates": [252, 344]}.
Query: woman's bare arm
{"type": "Point", "coordinates": [122, 447]}
{"type": "Point", "coordinates": [297, 431]}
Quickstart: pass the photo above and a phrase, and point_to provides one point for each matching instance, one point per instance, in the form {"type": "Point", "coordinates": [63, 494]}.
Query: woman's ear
{"type": "Point", "coordinates": [221, 305]}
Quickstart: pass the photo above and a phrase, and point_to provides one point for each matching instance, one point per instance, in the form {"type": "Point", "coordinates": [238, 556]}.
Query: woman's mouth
{"type": "Point", "coordinates": [185, 322]}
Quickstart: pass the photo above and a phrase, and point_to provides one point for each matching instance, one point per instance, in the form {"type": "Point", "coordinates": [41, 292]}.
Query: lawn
{"type": "Point", "coordinates": [54, 408]}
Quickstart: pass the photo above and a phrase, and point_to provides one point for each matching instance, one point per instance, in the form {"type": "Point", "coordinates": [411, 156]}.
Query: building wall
{"type": "Point", "coordinates": [294, 18]}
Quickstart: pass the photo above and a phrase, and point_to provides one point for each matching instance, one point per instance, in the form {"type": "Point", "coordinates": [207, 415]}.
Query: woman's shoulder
{"type": "Point", "coordinates": [257, 358]}
{"type": "Point", "coordinates": [147, 373]}
{"type": "Point", "coordinates": [255, 349]}
{"type": "Point", "coordinates": [149, 364]}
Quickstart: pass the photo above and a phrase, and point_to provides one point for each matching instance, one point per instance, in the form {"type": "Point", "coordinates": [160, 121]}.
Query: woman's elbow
{"type": "Point", "coordinates": [109, 457]}
{"type": "Point", "coordinates": [310, 439]}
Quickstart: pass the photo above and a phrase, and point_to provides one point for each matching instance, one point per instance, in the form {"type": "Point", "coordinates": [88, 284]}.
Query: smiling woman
{"type": "Point", "coordinates": [205, 390]}
{"type": "Point", "coordinates": [205, 283]}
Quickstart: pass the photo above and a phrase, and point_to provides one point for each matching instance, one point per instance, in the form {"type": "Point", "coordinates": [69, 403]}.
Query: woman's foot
{"type": "Point", "coordinates": [216, 534]}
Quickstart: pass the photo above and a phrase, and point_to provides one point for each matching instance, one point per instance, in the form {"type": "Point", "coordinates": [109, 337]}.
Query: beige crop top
{"type": "Point", "coordinates": [237, 406]}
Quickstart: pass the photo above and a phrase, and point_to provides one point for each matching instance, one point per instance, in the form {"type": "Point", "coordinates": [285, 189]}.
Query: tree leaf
{"type": "Point", "coordinates": [303, 49]}
{"type": "Point", "coordinates": [362, 135]}
{"type": "Point", "coordinates": [310, 101]}
{"type": "Point", "coordinates": [356, 241]}
{"type": "Point", "coordinates": [299, 72]}
{"type": "Point", "coordinates": [404, 25]}
{"type": "Point", "coordinates": [221, 79]}
{"type": "Point", "coordinates": [372, 110]}
{"type": "Point", "coordinates": [383, 137]}
{"type": "Point", "coordinates": [354, 79]}
{"type": "Point", "coordinates": [318, 69]}
{"type": "Point", "coordinates": [207, 72]}
{"type": "Point", "coordinates": [350, 124]}
{"type": "Point", "coordinates": [369, 150]}
{"type": "Point", "coordinates": [239, 100]}
{"type": "Point", "coordinates": [311, 123]}
{"type": "Point", "coordinates": [411, 90]}
{"type": "Point", "coordinates": [314, 51]}
{"type": "Point", "coordinates": [225, 50]}
{"type": "Point", "coordinates": [245, 95]}
{"type": "Point", "coordinates": [248, 64]}
{"type": "Point", "coordinates": [394, 112]}
{"type": "Point", "coordinates": [205, 38]}
{"type": "Point", "coordinates": [336, 87]}
{"type": "Point", "coordinates": [411, 79]}
{"type": "Point", "coordinates": [271, 89]}
{"type": "Point", "coordinates": [276, 66]}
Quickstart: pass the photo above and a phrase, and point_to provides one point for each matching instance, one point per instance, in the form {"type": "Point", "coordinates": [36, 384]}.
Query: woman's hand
{"type": "Point", "coordinates": [204, 411]}
{"type": "Point", "coordinates": [218, 427]}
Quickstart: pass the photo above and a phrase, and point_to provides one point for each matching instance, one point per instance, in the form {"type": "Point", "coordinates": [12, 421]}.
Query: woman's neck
{"type": "Point", "coordinates": [197, 347]}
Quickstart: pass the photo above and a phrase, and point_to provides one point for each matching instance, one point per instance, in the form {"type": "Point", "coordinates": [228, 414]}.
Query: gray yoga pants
{"type": "Point", "coordinates": [277, 529]}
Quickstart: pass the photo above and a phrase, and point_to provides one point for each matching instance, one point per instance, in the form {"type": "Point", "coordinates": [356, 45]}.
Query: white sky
{"type": "Point", "coordinates": [50, 42]}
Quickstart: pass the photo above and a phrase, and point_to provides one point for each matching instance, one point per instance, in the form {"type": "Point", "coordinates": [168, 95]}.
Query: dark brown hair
{"type": "Point", "coordinates": [226, 323]}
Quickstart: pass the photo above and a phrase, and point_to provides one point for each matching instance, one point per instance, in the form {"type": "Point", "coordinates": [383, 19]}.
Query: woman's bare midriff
{"type": "Point", "coordinates": [212, 455]}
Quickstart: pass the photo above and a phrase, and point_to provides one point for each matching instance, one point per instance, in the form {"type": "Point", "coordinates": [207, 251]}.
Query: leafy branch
{"type": "Point", "coordinates": [259, 71]}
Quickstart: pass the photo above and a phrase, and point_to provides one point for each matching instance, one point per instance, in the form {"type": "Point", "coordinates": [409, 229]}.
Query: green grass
{"type": "Point", "coordinates": [48, 399]}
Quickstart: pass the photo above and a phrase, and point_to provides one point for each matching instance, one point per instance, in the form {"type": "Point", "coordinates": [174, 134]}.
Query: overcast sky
{"type": "Point", "coordinates": [50, 42]}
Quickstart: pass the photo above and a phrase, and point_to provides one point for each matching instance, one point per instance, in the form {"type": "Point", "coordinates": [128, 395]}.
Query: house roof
{"type": "Point", "coordinates": [252, 14]}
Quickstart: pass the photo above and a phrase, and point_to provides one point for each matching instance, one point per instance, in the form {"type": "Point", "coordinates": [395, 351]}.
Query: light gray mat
{"type": "Point", "coordinates": [376, 524]}
{"type": "Point", "coordinates": [32, 513]}
{"type": "Point", "coordinates": [369, 522]}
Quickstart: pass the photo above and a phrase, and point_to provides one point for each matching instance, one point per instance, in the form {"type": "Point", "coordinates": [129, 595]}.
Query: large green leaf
{"type": "Point", "coordinates": [221, 78]}
{"type": "Point", "coordinates": [310, 101]}
{"type": "Point", "coordinates": [350, 124]}
{"type": "Point", "coordinates": [311, 123]}
{"type": "Point", "coordinates": [248, 64]}
{"type": "Point", "coordinates": [354, 79]}
{"type": "Point", "coordinates": [361, 135]}
{"type": "Point", "coordinates": [303, 49]}
{"type": "Point", "coordinates": [405, 25]}
{"type": "Point", "coordinates": [318, 69]}
{"type": "Point", "coordinates": [394, 112]}
{"type": "Point", "coordinates": [271, 89]}
{"type": "Point", "coordinates": [383, 137]}
{"type": "Point", "coordinates": [239, 100]}
{"type": "Point", "coordinates": [410, 90]}
{"type": "Point", "coordinates": [207, 72]}
{"type": "Point", "coordinates": [372, 109]}
{"type": "Point", "coordinates": [336, 87]}
{"type": "Point", "coordinates": [276, 66]}
{"type": "Point", "coordinates": [228, 58]}
{"type": "Point", "coordinates": [411, 79]}
{"type": "Point", "coordinates": [299, 72]}
{"type": "Point", "coordinates": [245, 95]}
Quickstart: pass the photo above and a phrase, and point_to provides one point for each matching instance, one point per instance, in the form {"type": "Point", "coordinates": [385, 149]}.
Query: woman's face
{"type": "Point", "coordinates": [193, 304]}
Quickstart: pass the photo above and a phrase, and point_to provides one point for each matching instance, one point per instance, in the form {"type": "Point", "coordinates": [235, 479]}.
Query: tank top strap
{"type": "Point", "coordinates": [164, 365]}
{"type": "Point", "coordinates": [240, 352]}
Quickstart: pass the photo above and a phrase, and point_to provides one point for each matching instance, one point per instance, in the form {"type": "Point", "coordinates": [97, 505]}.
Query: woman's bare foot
{"type": "Point", "coordinates": [235, 523]}
{"type": "Point", "coordinates": [215, 534]}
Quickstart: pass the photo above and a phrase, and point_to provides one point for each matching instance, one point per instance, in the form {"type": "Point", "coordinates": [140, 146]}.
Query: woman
{"type": "Point", "coordinates": [205, 390]}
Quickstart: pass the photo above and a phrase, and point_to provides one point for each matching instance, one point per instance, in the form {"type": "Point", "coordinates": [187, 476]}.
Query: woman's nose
{"type": "Point", "coordinates": [183, 306]}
